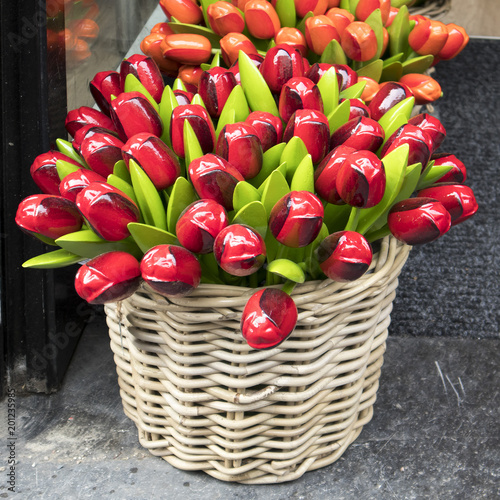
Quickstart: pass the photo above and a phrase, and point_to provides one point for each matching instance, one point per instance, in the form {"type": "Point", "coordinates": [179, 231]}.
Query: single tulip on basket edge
{"type": "Point", "coordinates": [248, 178]}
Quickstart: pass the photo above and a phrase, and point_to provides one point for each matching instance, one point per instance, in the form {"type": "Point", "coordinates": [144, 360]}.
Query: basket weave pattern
{"type": "Point", "coordinates": [202, 399]}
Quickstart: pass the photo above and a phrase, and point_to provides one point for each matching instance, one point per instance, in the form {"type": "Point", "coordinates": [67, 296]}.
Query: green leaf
{"type": "Point", "coordinates": [394, 58]}
{"type": "Point", "coordinates": [192, 148]}
{"type": "Point", "coordinates": [301, 25]}
{"type": "Point", "coordinates": [417, 64]}
{"type": "Point", "coordinates": [209, 268]}
{"type": "Point", "coordinates": [271, 161]}
{"type": "Point", "coordinates": [197, 99]}
{"type": "Point", "coordinates": [303, 178]}
{"type": "Point", "coordinates": [120, 170]}
{"type": "Point", "coordinates": [287, 269]}
{"type": "Point", "coordinates": [123, 186]}
{"type": "Point", "coordinates": [215, 60]}
{"type": "Point", "coordinates": [403, 108]}
{"type": "Point", "coordinates": [336, 217]}
{"type": "Point", "coordinates": [256, 90]}
{"type": "Point", "coordinates": [339, 116]}
{"type": "Point", "coordinates": [254, 215]}
{"type": "Point", "coordinates": [329, 89]}
{"type": "Point", "coordinates": [64, 168]}
{"type": "Point", "coordinates": [133, 84]}
{"type": "Point", "coordinates": [52, 260]}
{"type": "Point", "coordinates": [354, 91]}
{"type": "Point", "coordinates": [399, 31]}
{"type": "Point", "coordinates": [333, 53]}
{"type": "Point", "coordinates": [274, 189]}
{"type": "Point", "coordinates": [181, 196]}
{"type": "Point", "coordinates": [293, 153]}
{"type": "Point", "coordinates": [244, 193]}
{"type": "Point", "coordinates": [167, 104]}
{"type": "Point", "coordinates": [391, 127]}
{"type": "Point", "coordinates": [228, 118]}
{"type": "Point", "coordinates": [148, 237]}
{"type": "Point", "coordinates": [286, 12]}
{"type": "Point", "coordinates": [197, 30]}
{"type": "Point", "coordinates": [178, 85]}
{"type": "Point", "coordinates": [372, 70]}
{"type": "Point", "coordinates": [87, 244]}
{"type": "Point", "coordinates": [235, 110]}
{"type": "Point", "coordinates": [431, 174]}
{"type": "Point", "coordinates": [147, 196]}
{"type": "Point", "coordinates": [66, 148]}
{"type": "Point", "coordinates": [310, 260]}
{"type": "Point", "coordinates": [392, 72]}
{"type": "Point", "coordinates": [374, 20]}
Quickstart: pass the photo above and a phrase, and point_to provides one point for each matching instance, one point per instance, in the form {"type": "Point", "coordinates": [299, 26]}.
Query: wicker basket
{"type": "Point", "coordinates": [202, 399]}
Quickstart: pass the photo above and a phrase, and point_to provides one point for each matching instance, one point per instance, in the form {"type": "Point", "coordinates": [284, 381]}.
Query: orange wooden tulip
{"type": "Point", "coordinates": [320, 31]}
{"type": "Point", "coordinates": [67, 39]}
{"type": "Point", "coordinates": [185, 11]}
{"type": "Point", "coordinates": [187, 48]}
{"type": "Point", "coordinates": [232, 43]}
{"type": "Point", "coordinates": [385, 39]}
{"type": "Point", "coordinates": [317, 7]}
{"type": "Point", "coordinates": [371, 88]}
{"type": "Point", "coordinates": [333, 3]}
{"type": "Point", "coordinates": [455, 43]}
{"type": "Point", "coordinates": [365, 7]}
{"type": "Point", "coordinates": [428, 37]}
{"type": "Point", "coordinates": [80, 51]}
{"type": "Point", "coordinates": [85, 28]}
{"type": "Point", "coordinates": [293, 37]}
{"type": "Point", "coordinates": [225, 18]}
{"type": "Point", "coordinates": [359, 41]}
{"type": "Point", "coordinates": [162, 28]}
{"type": "Point", "coordinates": [424, 87]}
{"type": "Point", "coordinates": [261, 19]}
{"type": "Point", "coordinates": [341, 18]}
{"type": "Point", "coordinates": [393, 12]}
{"type": "Point", "coordinates": [190, 74]}
{"type": "Point", "coordinates": [151, 46]}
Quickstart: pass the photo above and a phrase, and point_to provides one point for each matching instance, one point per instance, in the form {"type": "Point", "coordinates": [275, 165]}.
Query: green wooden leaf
{"type": "Point", "coordinates": [147, 196]}
{"type": "Point", "coordinates": [403, 108]}
{"type": "Point", "coordinates": [336, 217]}
{"type": "Point", "coordinates": [270, 162]}
{"type": "Point", "coordinates": [215, 60]}
{"type": "Point", "coordinates": [197, 99]}
{"type": "Point", "coordinates": [329, 89]}
{"type": "Point", "coordinates": [256, 90]}
{"type": "Point", "coordinates": [254, 215]}
{"type": "Point", "coordinates": [178, 85]}
{"type": "Point", "coordinates": [310, 260]}
{"type": "Point", "coordinates": [147, 236]}
{"type": "Point", "coordinates": [293, 153]}
{"type": "Point", "coordinates": [354, 91]}
{"type": "Point", "coordinates": [192, 148]}
{"type": "Point", "coordinates": [303, 178]}
{"type": "Point", "coordinates": [244, 193]}
{"type": "Point", "coordinates": [286, 12]}
{"type": "Point", "coordinates": [235, 110]}
{"type": "Point", "coordinates": [228, 118]}
{"type": "Point", "coordinates": [431, 174]}
{"type": "Point", "coordinates": [274, 189]}
{"type": "Point", "coordinates": [391, 127]}
{"type": "Point", "coordinates": [392, 72]}
{"type": "Point", "coordinates": [197, 30]}
{"type": "Point", "coordinates": [181, 196]}
{"type": "Point", "coordinates": [374, 20]}
{"type": "Point", "coordinates": [394, 58]}
{"type": "Point", "coordinates": [52, 260]}
{"type": "Point", "coordinates": [417, 64]}
{"type": "Point", "coordinates": [287, 269]}
{"type": "Point", "coordinates": [123, 186]}
{"type": "Point", "coordinates": [333, 54]}
{"type": "Point", "coordinates": [45, 239]}
{"type": "Point", "coordinates": [372, 70]}
{"type": "Point", "coordinates": [339, 116]}
{"type": "Point", "coordinates": [66, 148]}
{"type": "Point", "coordinates": [301, 25]}
{"type": "Point", "coordinates": [167, 104]}
{"type": "Point", "coordinates": [283, 168]}
{"type": "Point", "coordinates": [87, 244]}
{"type": "Point", "coordinates": [209, 268]}
{"type": "Point", "coordinates": [133, 84]}
{"type": "Point", "coordinates": [398, 32]}
{"type": "Point", "coordinates": [120, 170]}
{"type": "Point", "coordinates": [64, 168]}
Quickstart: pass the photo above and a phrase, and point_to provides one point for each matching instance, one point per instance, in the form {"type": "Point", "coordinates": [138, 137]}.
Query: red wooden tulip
{"type": "Point", "coordinates": [359, 41]}
{"type": "Point", "coordinates": [325, 176]}
{"type": "Point", "coordinates": [154, 157]}
{"type": "Point", "coordinates": [281, 63]}
{"type": "Point", "coordinates": [107, 210]}
{"type": "Point", "coordinates": [199, 224]}
{"type": "Point", "coordinates": [292, 37]}
{"type": "Point", "coordinates": [239, 250]}
{"type": "Point", "coordinates": [458, 172]}
{"type": "Point", "coordinates": [171, 270]}
{"type": "Point", "coordinates": [269, 317]}
{"type": "Point", "coordinates": [48, 215]}
{"type": "Point", "coordinates": [225, 18]}
{"type": "Point", "coordinates": [317, 70]}
{"type": "Point", "coordinates": [458, 199]}
{"type": "Point", "coordinates": [82, 133]}
{"type": "Point", "coordinates": [232, 43]}
{"type": "Point", "coordinates": [44, 171]}
{"type": "Point", "coordinates": [214, 178]}
{"type": "Point", "coordinates": [428, 37]}
{"type": "Point", "coordinates": [240, 145]}
{"type": "Point", "coordinates": [344, 256]}
{"type": "Point", "coordinates": [361, 179]}
{"type": "Point", "coordinates": [418, 220]}
{"type": "Point", "coordinates": [101, 151]}
{"type": "Point", "coordinates": [313, 128]}
{"type": "Point", "coordinates": [199, 119]}
{"type": "Point", "coordinates": [214, 88]}
{"type": "Point", "coordinates": [256, 59]}
{"type": "Point", "coordinates": [187, 48]}
{"type": "Point", "coordinates": [146, 70]}
{"type": "Point", "coordinates": [84, 115]}
{"type": "Point", "coordinates": [320, 31]}
{"type": "Point", "coordinates": [317, 7]}
{"type": "Point", "coordinates": [425, 88]}
{"type": "Point", "coordinates": [348, 77]}
{"type": "Point", "coordinates": [261, 19]}
{"type": "Point", "coordinates": [110, 277]}
{"type": "Point", "coordinates": [389, 94]}
{"type": "Point", "coordinates": [268, 127]}
{"type": "Point", "coordinates": [455, 43]}
{"type": "Point", "coordinates": [357, 108]}
{"type": "Point", "coordinates": [299, 93]}
{"type": "Point", "coordinates": [359, 133]}
{"type": "Point", "coordinates": [103, 86]}
{"type": "Point", "coordinates": [74, 182]}
{"type": "Point", "coordinates": [432, 126]}
{"type": "Point", "coordinates": [185, 11]}
{"type": "Point", "coordinates": [183, 96]}
{"type": "Point", "coordinates": [132, 114]}
{"type": "Point", "coordinates": [296, 219]}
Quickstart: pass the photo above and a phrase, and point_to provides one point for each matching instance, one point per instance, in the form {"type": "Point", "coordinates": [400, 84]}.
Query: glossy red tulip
{"type": "Point", "coordinates": [458, 199]}
{"type": "Point", "coordinates": [455, 43]}
{"type": "Point", "coordinates": [325, 176]}
{"type": "Point", "coordinates": [299, 93]}
{"type": "Point", "coordinates": [344, 256]}
{"type": "Point", "coordinates": [432, 126]}
{"type": "Point", "coordinates": [88, 130]}
{"type": "Point", "coordinates": [313, 128]}
{"type": "Point", "coordinates": [348, 76]}
{"type": "Point", "coordinates": [110, 277]}
{"type": "Point", "coordinates": [214, 178]}
{"type": "Point", "coordinates": [357, 108]}
{"type": "Point", "coordinates": [268, 127]}
{"type": "Point", "coordinates": [199, 119]}
{"type": "Point", "coordinates": [389, 94]}
{"type": "Point", "coordinates": [187, 48]}
{"type": "Point", "coordinates": [317, 70]}
{"type": "Point", "coordinates": [320, 31]}
{"type": "Point", "coordinates": [44, 171]}
{"type": "Point", "coordinates": [317, 7]}
{"type": "Point", "coordinates": [261, 19]}
{"type": "Point", "coordinates": [183, 96]}
{"type": "Point", "coordinates": [239, 250]}
{"type": "Point", "coordinates": [101, 151]}
{"type": "Point", "coordinates": [225, 18]}
{"type": "Point", "coordinates": [232, 43]}
{"type": "Point", "coordinates": [418, 140]}
{"type": "Point", "coordinates": [74, 182]}
{"type": "Point", "coordinates": [199, 224]}
{"type": "Point", "coordinates": [103, 86]}
{"type": "Point", "coordinates": [132, 114]}
{"type": "Point", "coordinates": [185, 11]}
{"type": "Point", "coordinates": [296, 219]}
{"type": "Point", "coordinates": [154, 157]}
{"type": "Point", "coordinates": [425, 88]}
{"type": "Point", "coordinates": [428, 37]}
{"type": "Point", "coordinates": [84, 115]}
{"type": "Point", "coordinates": [361, 179]}
{"type": "Point", "coordinates": [359, 133]}
{"type": "Point", "coordinates": [340, 18]}
{"type": "Point", "coordinates": [240, 145]}
{"type": "Point", "coordinates": [269, 317]}
{"type": "Point", "coordinates": [152, 45]}
{"type": "Point", "coordinates": [281, 63]}
{"type": "Point", "coordinates": [171, 270]}
{"type": "Point", "coordinates": [214, 87]}
{"type": "Point", "coordinates": [107, 210]}
{"type": "Point", "coordinates": [145, 69]}
{"type": "Point", "coordinates": [418, 220]}
{"type": "Point", "coordinates": [458, 172]}
{"type": "Point", "coordinates": [292, 37]}
{"type": "Point", "coordinates": [359, 41]}
{"type": "Point", "coordinates": [48, 215]}
{"type": "Point", "coordinates": [365, 7]}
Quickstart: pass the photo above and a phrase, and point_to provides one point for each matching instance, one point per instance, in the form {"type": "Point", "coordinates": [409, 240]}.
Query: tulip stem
{"type": "Point", "coordinates": [353, 219]}
{"type": "Point", "coordinates": [288, 286]}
